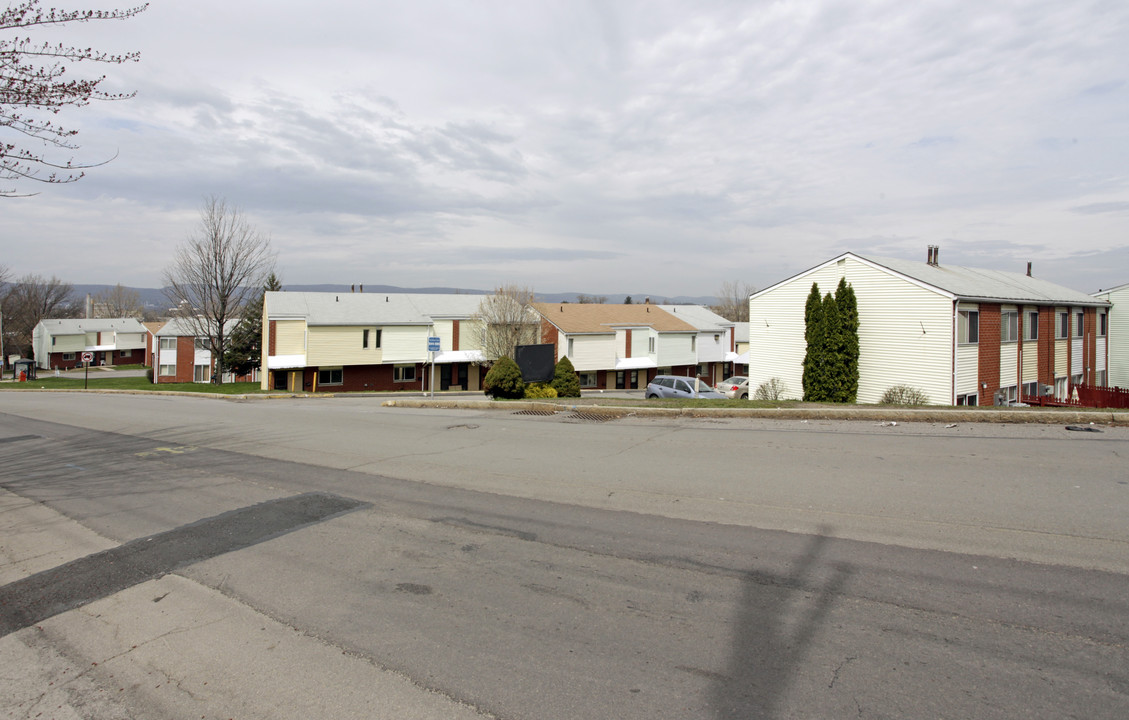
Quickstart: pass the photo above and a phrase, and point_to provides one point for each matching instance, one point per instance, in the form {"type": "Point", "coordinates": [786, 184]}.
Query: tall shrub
{"type": "Point", "coordinates": [504, 380]}
{"type": "Point", "coordinates": [565, 380]}
{"type": "Point", "coordinates": [849, 315]}
{"type": "Point", "coordinates": [813, 332]}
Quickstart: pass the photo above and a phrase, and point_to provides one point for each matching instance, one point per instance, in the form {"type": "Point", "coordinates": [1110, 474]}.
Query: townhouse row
{"type": "Point", "coordinates": [353, 341]}
{"type": "Point", "coordinates": [964, 336]}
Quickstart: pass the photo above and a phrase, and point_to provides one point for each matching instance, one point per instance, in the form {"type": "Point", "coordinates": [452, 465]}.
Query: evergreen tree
{"type": "Point", "coordinates": [565, 381]}
{"type": "Point", "coordinates": [244, 349]}
{"type": "Point", "coordinates": [504, 380]}
{"type": "Point", "coordinates": [831, 379]}
{"type": "Point", "coordinates": [813, 321]}
{"type": "Point", "coordinates": [849, 313]}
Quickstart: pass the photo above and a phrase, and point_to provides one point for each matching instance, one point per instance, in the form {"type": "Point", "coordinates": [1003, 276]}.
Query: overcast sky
{"type": "Point", "coordinates": [600, 147]}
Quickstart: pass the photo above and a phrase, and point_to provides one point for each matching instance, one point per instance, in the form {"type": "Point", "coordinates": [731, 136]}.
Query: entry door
{"type": "Point", "coordinates": [444, 377]}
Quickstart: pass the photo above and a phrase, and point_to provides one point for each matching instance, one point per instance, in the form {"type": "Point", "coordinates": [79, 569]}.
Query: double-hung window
{"type": "Point", "coordinates": [1103, 323]}
{"type": "Point", "coordinates": [404, 373]}
{"type": "Point", "coordinates": [1079, 317]}
{"type": "Point", "coordinates": [968, 327]}
{"type": "Point", "coordinates": [168, 343]}
{"type": "Point", "coordinates": [1031, 327]}
{"type": "Point", "coordinates": [1062, 327]}
{"type": "Point", "coordinates": [1009, 326]}
{"type": "Point", "coordinates": [331, 376]}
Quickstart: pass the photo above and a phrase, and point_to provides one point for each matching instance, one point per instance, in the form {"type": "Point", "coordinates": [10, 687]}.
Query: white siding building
{"type": "Point", "coordinates": [960, 335]}
{"type": "Point", "coordinates": [1117, 337]}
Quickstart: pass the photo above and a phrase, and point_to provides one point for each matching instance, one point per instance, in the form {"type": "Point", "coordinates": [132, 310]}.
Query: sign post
{"type": "Point", "coordinates": [87, 358]}
{"type": "Point", "coordinates": [432, 348]}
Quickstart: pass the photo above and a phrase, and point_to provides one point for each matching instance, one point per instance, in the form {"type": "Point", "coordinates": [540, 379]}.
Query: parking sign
{"type": "Point", "coordinates": [88, 357]}
{"type": "Point", "coordinates": [433, 344]}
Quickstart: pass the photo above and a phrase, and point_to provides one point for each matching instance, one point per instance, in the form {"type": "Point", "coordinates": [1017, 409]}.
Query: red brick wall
{"type": "Point", "coordinates": [270, 338]}
{"type": "Point", "coordinates": [988, 365]}
{"type": "Point", "coordinates": [628, 335]}
{"type": "Point", "coordinates": [550, 336]}
{"type": "Point", "coordinates": [1090, 353]}
{"type": "Point", "coordinates": [455, 336]}
{"type": "Point", "coordinates": [1047, 345]}
{"type": "Point", "coordinates": [356, 378]}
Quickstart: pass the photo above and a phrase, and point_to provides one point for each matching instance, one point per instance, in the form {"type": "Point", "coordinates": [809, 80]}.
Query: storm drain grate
{"type": "Point", "coordinates": [536, 412]}
{"type": "Point", "coordinates": [593, 417]}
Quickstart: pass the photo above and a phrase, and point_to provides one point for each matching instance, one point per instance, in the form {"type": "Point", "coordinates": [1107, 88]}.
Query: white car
{"type": "Point", "coordinates": [734, 387]}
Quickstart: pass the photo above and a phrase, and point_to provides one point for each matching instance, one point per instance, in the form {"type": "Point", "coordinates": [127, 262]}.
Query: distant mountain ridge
{"type": "Point", "coordinates": [154, 298]}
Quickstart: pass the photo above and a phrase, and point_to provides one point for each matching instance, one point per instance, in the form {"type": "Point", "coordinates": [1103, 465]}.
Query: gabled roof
{"type": "Point", "coordinates": [81, 326]}
{"type": "Point", "coordinates": [322, 308]}
{"type": "Point", "coordinates": [1115, 289]}
{"type": "Point", "coordinates": [599, 318]}
{"type": "Point", "coordinates": [981, 284]}
{"type": "Point", "coordinates": [699, 316]}
{"type": "Point", "coordinates": [964, 283]}
{"type": "Point", "coordinates": [181, 327]}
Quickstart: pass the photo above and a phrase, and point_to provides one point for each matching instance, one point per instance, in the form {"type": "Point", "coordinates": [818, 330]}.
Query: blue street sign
{"type": "Point", "coordinates": [433, 344]}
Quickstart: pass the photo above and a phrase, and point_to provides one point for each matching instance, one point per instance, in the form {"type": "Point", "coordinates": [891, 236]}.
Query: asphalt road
{"type": "Point", "coordinates": [464, 564]}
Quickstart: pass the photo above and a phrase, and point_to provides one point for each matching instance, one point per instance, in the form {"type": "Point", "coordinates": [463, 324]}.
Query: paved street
{"type": "Point", "coordinates": [187, 557]}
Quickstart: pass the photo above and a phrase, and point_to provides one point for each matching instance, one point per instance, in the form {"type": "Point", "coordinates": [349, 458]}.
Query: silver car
{"type": "Point", "coordinates": [674, 386]}
{"type": "Point", "coordinates": [734, 387]}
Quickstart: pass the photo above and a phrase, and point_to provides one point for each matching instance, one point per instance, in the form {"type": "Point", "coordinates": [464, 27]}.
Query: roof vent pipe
{"type": "Point", "coordinates": [352, 288]}
{"type": "Point", "coordinates": [1028, 268]}
{"type": "Point", "coordinates": [362, 288]}
{"type": "Point", "coordinates": [936, 254]}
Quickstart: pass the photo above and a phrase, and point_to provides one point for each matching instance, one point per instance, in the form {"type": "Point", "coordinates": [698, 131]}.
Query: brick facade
{"type": "Point", "coordinates": [988, 354]}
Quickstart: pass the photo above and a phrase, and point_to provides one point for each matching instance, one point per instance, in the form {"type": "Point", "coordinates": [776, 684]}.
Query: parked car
{"type": "Point", "coordinates": [734, 387]}
{"type": "Point", "coordinates": [674, 386]}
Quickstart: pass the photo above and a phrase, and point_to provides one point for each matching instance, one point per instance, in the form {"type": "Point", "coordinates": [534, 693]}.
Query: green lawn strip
{"type": "Point", "coordinates": [132, 383]}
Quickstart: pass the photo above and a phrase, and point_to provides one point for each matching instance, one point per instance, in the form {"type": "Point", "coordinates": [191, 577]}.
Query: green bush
{"type": "Point", "coordinates": [539, 391]}
{"type": "Point", "coordinates": [504, 380]}
{"type": "Point", "coordinates": [904, 395]}
{"type": "Point", "coordinates": [773, 389]}
{"type": "Point", "coordinates": [565, 380]}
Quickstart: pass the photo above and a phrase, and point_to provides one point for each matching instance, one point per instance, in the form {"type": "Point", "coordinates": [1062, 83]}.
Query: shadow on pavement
{"type": "Point", "coordinates": [776, 623]}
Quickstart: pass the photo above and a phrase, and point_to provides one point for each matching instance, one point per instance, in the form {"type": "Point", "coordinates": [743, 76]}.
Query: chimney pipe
{"type": "Point", "coordinates": [362, 288]}
{"type": "Point", "coordinates": [1028, 268]}
{"type": "Point", "coordinates": [352, 288]}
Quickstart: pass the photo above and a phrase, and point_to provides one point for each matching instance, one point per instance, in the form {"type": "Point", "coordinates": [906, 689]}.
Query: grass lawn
{"type": "Point", "coordinates": [131, 383]}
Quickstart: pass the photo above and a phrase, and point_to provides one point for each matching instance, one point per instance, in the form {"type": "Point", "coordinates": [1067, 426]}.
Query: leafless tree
{"type": "Point", "coordinates": [28, 300]}
{"type": "Point", "coordinates": [591, 299]}
{"type": "Point", "coordinates": [733, 300]}
{"type": "Point", "coordinates": [117, 302]}
{"type": "Point", "coordinates": [505, 321]}
{"type": "Point", "coordinates": [34, 83]}
{"type": "Point", "coordinates": [216, 272]}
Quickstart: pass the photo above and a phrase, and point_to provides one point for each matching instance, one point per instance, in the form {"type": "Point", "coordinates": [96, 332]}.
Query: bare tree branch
{"type": "Point", "coordinates": [117, 302]}
{"type": "Point", "coordinates": [216, 272]}
{"type": "Point", "coordinates": [506, 321]}
{"type": "Point", "coordinates": [32, 78]}
{"type": "Point", "coordinates": [733, 300]}
{"type": "Point", "coordinates": [27, 301]}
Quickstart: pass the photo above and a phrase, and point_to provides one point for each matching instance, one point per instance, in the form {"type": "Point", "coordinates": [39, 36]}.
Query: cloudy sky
{"type": "Point", "coordinates": [601, 147]}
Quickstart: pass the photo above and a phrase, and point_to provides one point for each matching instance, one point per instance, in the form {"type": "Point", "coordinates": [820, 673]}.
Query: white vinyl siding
{"type": "Point", "coordinates": [1076, 341]}
{"type": "Point", "coordinates": [445, 331]}
{"type": "Point", "coordinates": [289, 337]}
{"type": "Point", "coordinates": [711, 349]}
{"type": "Point", "coordinates": [1060, 342]}
{"type": "Point", "coordinates": [404, 344]}
{"type": "Point", "coordinates": [1117, 336]}
{"type": "Point", "coordinates": [905, 332]}
{"type": "Point", "coordinates": [1030, 362]}
{"type": "Point", "coordinates": [129, 341]}
{"type": "Point", "coordinates": [968, 369]}
{"type": "Point", "coordinates": [592, 352]}
{"type": "Point", "coordinates": [1009, 364]}
{"type": "Point", "coordinates": [341, 346]}
{"type": "Point", "coordinates": [470, 335]}
{"type": "Point", "coordinates": [676, 349]}
{"type": "Point", "coordinates": [68, 343]}
{"type": "Point", "coordinates": [640, 343]}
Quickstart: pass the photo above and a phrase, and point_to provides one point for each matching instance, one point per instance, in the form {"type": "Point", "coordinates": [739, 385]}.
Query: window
{"type": "Point", "coordinates": [1078, 320]}
{"type": "Point", "coordinates": [404, 373]}
{"type": "Point", "coordinates": [587, 379]}
{"type": "Point", "coordinates": [651, 345]}
{"type": "Point", "coordinates": [201, 343]}
{"type": "Point", "coordinates": [969, 399]}
{"type": "Point", "coordinates": [331, 376]}
{"type": "Point", "coordinates": [1031, 327]}
{"type": "Point", "coordinates": [704, 370]}
{"type": "Point", "coordinates": [1062, 327]}
{"type": "Point", "coordinates": [968, 327]}
{"type": "Point", "coordinates": [68, 356]}
{"type": "Point", "coordinates": [201, 373]}
{"type": "Point", "coordinates": [1100, 378]}
{"type": "Point", "coordinates": [693, 343]}
{"type": "Point", "coordinates": [619, 380]}
{"type": "Point", "coordinates": [125, 353]}
{"type": "Point", "coordinates": [1031, 389]}
{"type": "Point", "coordinates": [168, 343]}
{"type": "Point", "coordinates": [167, 370]}
{"type": "Point", "coordinates": [1060, 388]}
{"type": "Point", "coordinates": [52, 341]}
{"type": "Point", "coordinates": [364, 338]}
{"type": "Point", "coordinates": [1076, 379]}
{"type": "Point", "coordinates": [570, 347]}
{"type": "Point", "coordinates": [1103, 323]}
{"type": "Point", "coordinates": [1009, 326]}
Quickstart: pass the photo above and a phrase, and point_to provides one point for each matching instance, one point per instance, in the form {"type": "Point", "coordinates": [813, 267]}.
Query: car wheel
{"type": "Point", "coordinates": [652, 396]}
{"type": "Point", "coordinates": [744, 396]}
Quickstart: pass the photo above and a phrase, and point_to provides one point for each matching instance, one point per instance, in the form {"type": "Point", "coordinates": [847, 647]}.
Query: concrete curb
{"type": "Point", "coordinates": [930, 415]}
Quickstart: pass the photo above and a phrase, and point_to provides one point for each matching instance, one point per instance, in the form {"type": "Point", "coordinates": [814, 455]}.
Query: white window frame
{"type": "Point", "coordinates": [166, 370]}
{"type": "Point", "coordinates": [68, 356]}
{"type": "Point", "coordinates": [969, 399]}
{"type": "Point", "coordinates": [1103, 323]}
{"type": "Point", "coordinates": [400, 373]}
{"type": "Point", "coordinates": [588, 379]}
{"type": "Point", "coordinates": [167, 343]}
{"type": "Point", "coordinates": [1062, 325]}
{"type": "Point", "coordinates": [1079, 322]}
{"type": "Point", "coordinates": [1009, 326]}
{"type": "Point", "coordinates": [201, 377]}
{"type": "Point", "coordinates": [1031, 327]}
{"type": "Point", "coordinates": [326, 376]}
{"type": "Point", "coordinates": [964, 318]}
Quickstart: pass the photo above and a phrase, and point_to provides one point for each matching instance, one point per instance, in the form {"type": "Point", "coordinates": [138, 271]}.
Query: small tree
{"type": "Point", "coordinates": [773, 389]}
{"type": "Point", "coordinates": [245, 347]}
{"type": "Point", "coordinates": [565, 380]}
{"type": "Point", "coordinates": [117, 302]}
{"type": "Point", "coordinates": [506, 321]}
{"type": "Point", "coordinates": [504, 380]}
{"type": "Point", "coordinates": [33, 80]}
{"type": "Point", "coordinates": [28, 300]}
{"type": "Point", "coordinates": [733, 300]}
{"type": "Point", "coordinates": [216, 273]}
